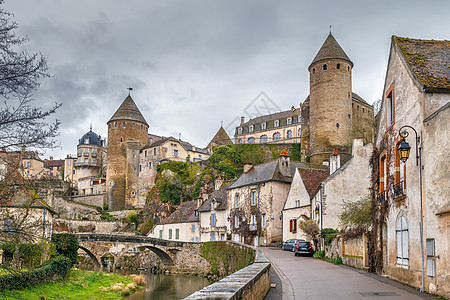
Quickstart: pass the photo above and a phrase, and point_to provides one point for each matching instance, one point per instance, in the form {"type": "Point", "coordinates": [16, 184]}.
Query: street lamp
{"type": "Point", "coordinates": [403, 151]}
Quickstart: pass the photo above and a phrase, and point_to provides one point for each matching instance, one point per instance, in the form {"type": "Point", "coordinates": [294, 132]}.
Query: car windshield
{"type": "Point", "coordinates": [303, 244]}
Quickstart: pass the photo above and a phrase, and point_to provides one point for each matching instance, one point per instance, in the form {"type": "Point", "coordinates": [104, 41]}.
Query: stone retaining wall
{"type": "Point", "coordinates": [97, 200]}
{"type": "Point", "coordinates": [94, 226]}
{"type": "Point", "coordinates": [252, 282]}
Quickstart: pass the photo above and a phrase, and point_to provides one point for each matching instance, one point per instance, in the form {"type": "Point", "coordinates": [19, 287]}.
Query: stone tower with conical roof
{"type": "Point", "coordinates": [330, 100]}
{"type": "Point", "coordinates": [127, 134]}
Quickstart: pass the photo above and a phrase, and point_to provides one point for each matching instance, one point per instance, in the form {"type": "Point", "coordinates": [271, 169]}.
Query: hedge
{"type": "Point", "coordinates": [52, 269]}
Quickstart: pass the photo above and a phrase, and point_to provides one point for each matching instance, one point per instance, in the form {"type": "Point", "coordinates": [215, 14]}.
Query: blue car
{"type": "Point", "coordinates": [289, 245]}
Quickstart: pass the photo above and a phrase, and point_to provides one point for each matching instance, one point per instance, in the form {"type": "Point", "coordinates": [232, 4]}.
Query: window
{"type": "Point", "coordinates": [250, 128]}
{"type": "Point", "coordinates": [133, 125]}
{"type": "Point", "coordinates": [115, 124]}
{"type": "Point", "coordinates": [193, 228]}
{"type": "Point", "coordinates": [293, 225]}
{"type": "Point", "coordinates": [213, 220]}
{"type": "Point", "coordinates": [214, 204]}
{"type": "Point", "coordinates": [251, 140]}
{"type": "Point", "coordinates": [299, 132]}
{"type": "Point", "coordinates": [68, 162]}
{"type": "Point", "coordinates": [240, 130]}
{"type": "Point", "coordinates": [142, 126]}
{"type": "Point", "coordinates": [124, 124]}
{"type": "Point", "coordinates": [289, 121]}
{"type": "Point", "coordinates": [154, 151]}
{"type": "Point", "coordinates": [121, 140]}
{"type": "Point", "coordinates": [213, 236]}
{"type": "Point", "coordinates": [402, 241]}
{"type": "Point", "coordinates": [431, 268]}
{"type": "Point", "coordinates": [263, 220]}
{"type": "Point", "coordinates": [314, 70]}
{"type": "Point", "coordinates": [383, 180]}
{"type": "Point", "coordinates": [297, 203]}
{"type": "Point", "coordinates": [253, 198]}
{"type": "Point", "coordinates": [338, 66]}
{"type": "Point", "coordinates": [289, 134]}
{"type": "Point", "coordinates": [222, 237]}
{"type": "Point", "coordinates": [390, 108]}
{"type": "Point", "coordinates": [299, 119]}
{"type": "Point", "coordinates": [276, 123]}
{"type": "Point", "coordinates": [264, 139]}
{"type": "Point", "coordinates": [177, 234]}
{"type": "Point", "coordinates": [236, 200]}
{"type": "Point", "coordinates": [263, 126]}
{"type": "Point", "coordinates": [8, 226]}
{"type": "Point", "coordinates": [160, 234]}
{"type": "Point", "coordinates": [175, 153]}
{"type": "Point", "coordinates": [145, 153]}
{"type": "Point", "coordinates": [170, 234]}
{"type": "Point", "coordinates": [324, 67]}
{"type": "Point", "coordinates": [236, 221]}
{"type": "Point", "coordinates": [276, 136]}
{"type": "Point", "coordinates": [253, 220]}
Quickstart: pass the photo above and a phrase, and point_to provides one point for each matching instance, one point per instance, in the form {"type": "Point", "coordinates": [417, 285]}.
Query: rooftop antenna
{"type": "Point", "coordinates": [91, 127]}
{"type": "Point", "coordinates": [221, 123]}
{"type": "Point", "coordinates": [179, 136]}
{"type": "Point", "coordinates": [129, 90]}
{"type": "Point", "coordinates": [330, 28]}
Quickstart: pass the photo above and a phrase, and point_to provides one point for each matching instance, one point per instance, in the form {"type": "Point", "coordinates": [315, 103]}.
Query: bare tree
{"type": "Point", "coordinates": [20, 72]}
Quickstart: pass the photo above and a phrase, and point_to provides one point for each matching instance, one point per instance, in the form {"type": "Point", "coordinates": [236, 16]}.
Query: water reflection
{"type": "Point", "coordinates": [169, 286]}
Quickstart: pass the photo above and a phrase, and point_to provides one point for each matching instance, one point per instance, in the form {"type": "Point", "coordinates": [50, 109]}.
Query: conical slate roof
{"type": "Point", "coordinates": [221, 137]}
{"type": "Point", "coordinates": [331, 50]}
{"type": "Point", "coordinates": [128, 111]}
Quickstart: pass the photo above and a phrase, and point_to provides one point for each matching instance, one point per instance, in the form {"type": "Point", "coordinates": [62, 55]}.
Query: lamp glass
{"type": "Point", "coordinates": [403, 150]}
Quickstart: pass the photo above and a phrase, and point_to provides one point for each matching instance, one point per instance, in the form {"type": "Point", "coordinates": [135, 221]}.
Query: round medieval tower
{"type": "Point", "coordinates": [127, 134]}
{"type": "Point", "coordinates": [330, 76]}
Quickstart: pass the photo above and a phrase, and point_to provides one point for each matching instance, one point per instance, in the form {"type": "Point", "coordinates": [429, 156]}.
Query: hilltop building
{"type": "Point", "coordinates": [127, 135]}
{"type": "Point", "coordinates": [329, 118]}
{"type": "Point", "coordinates": [221, 138]}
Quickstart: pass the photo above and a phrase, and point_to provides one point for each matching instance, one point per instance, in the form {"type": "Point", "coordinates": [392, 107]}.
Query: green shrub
{"type": "Point", "coordinates": [319, 254]}
{"type": "Point", "coordinates": [56, 267]}
{"type": "Point", "coordinates": [66, 244]}
{"type": "Point", "coordinates": [338, 261]}
{"type": "Point", "coordinates": [330, 237]}
{"type": "Point", "coordinates": [324, 232]}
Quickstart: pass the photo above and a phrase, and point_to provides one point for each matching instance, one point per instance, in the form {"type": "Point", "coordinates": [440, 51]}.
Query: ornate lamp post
{"type": "Point", "coordinates": [403, 151]}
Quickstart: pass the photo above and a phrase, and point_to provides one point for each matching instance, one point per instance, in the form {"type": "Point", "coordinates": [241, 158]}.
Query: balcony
{"type": "Point", "coordinates": [94, 154]}
{"type": "Point", "coordinates": [86, 153]}
{"type": "Point", "coordinates": [86, 164]}
{"type": "Point", "coordinates": [399, 190]}
{"type": "Point", "coordinates": [252, 227]}
{"type": "Point", "coordinates": [79, 154]}
{"type": "Point", "coordinates": [381, 197]}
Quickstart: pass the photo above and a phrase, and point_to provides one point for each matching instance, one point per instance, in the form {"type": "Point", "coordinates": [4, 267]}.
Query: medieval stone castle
{"type": "Point", "coordinates": [328, 120]}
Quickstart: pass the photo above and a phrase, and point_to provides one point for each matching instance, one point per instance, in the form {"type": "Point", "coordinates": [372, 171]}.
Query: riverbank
{"type": "Point", "coordinates": [81, 284]}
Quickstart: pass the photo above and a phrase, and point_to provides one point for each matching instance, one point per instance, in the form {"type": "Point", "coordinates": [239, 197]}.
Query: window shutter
{"type": "Point", "coordinates": [290, 225]}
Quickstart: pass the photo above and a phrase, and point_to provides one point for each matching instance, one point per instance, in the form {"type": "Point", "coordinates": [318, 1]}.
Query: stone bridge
{"type": "Point", "coordinates": [105, 250]}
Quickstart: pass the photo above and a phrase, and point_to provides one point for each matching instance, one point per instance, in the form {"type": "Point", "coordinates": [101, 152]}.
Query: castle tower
{"type": "Point", "coordinates": [330, 76]}
{"type": "Point", "coordinates": [127, 134]}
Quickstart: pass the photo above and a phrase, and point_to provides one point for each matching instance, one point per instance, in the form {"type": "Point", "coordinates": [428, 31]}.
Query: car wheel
{"type": "Point", "coordinates": [295, 253]}
{"type": "Point", "coordinates": [282, 247]}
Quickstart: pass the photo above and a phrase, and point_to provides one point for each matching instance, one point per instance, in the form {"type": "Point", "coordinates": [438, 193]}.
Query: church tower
{"type": "Point", "coordinates": [127, 134]}
{"type": "Point", "coordinates": [330, 120]}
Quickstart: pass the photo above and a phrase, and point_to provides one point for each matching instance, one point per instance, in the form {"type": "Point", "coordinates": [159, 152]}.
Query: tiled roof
{"type": "Point", "coordinates": [312, 178]}
{"type": "Point", "coordinates": [265, 172]}
{"type": "Point", "coordinates": [331, 50]}
{"type": "Point", "coordinates": [429, 60]}
{"type": "Point", "coordinates": [220, 196]}
{"type": "Point", "coordinates": [221, 138]}
{"type": "Point", "coordinates": [184, 144]}
{"type": "Point", "coordinates": [54, 162]}
{"type": "Point", "coordinates": [185, 213]}
{"type": "Point", "coordinates": [273, 117]}
{"type": "Point", "coordinates": [128, 111]}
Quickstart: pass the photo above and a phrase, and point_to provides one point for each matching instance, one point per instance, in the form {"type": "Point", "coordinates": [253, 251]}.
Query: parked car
{"type": "Point", "coordinates": [289, 245]}
{"type": "Point", "coordinates": [303, 248]}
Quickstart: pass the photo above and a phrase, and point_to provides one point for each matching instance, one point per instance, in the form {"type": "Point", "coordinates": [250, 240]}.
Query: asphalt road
{"type": "Point", "coordinates": [309, 278]}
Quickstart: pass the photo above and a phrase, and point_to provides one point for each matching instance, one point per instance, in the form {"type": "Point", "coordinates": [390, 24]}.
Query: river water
{"type": "Point", "coordinates": [169, 286]}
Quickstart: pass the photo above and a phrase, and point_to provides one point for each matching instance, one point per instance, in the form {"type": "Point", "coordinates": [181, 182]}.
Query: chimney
{"type": "Point", "coordinates": [293, 108]}
{"type": "Point", "coordinates": [247, 167]}
{"type": "Point", "coordinates": [335, 161]}
{"type": "Point", "coordinates": [242, 120]}
{"type": "Point", "coordinates": [218, 183]}
{"type": "Point", "coordinates": [284, 163]}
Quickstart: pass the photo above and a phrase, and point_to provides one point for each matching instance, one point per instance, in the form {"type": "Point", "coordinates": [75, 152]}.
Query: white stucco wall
{"type": "Point", "coordinates": [185, 229]}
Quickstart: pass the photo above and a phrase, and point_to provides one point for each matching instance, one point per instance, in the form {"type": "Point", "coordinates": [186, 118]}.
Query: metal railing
{"type": "Point", "coordinates": [381, 197]}
{"type": "Point", "coordinates": [399, 190]}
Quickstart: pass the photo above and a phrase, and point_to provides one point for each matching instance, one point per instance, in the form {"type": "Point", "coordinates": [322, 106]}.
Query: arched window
{"type": "Point", "coordinates": [276, 136]}
{"type": "Point", "coordinates": [264, 139]}
{"type": "Point", "coordinates": [289, 134]}
{"type": "Point", "coordinates": [402, 240]}
{"type": "Point", "coordinates": [251, 140]}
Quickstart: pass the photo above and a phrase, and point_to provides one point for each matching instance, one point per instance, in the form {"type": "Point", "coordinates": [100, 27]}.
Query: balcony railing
{"type": "Point", "coordinates": [252, 227]}
{"type": "Point", "coordinates": [86, 153]}
{"type": "Point", "coordinates": [86, 163]}
{"type": "Point", "coordinates": [94, 154]}
{"type": "Point", "coordinates": [381, 197]}
{"type": "Point", "coordinates": [399, 190]}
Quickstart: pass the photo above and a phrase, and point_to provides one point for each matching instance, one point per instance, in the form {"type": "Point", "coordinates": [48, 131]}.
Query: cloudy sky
{"type": "Point", "coordinates": [194, 64]}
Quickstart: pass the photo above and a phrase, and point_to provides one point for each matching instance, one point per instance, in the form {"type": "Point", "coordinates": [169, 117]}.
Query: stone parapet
{"type": "Point", "coordinates": [252, 282]}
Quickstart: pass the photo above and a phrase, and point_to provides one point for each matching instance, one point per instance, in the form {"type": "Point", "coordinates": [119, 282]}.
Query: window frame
{"type": "Point", "coordinates": [390, 107]}
{"type": "Point", "coordinates": [402, 245]}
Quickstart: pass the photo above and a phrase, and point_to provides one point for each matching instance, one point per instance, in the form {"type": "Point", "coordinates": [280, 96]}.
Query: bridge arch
{"type": "Point", "coordinates": [91, 255]}
{"type": "Point", "coordinates": [166, 259]}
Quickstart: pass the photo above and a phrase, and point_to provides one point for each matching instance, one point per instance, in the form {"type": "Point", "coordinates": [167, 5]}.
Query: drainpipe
{"type": "Point", "coordinates": [257, 213]}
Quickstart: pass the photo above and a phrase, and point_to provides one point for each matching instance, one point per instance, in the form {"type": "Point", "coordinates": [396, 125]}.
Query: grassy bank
{"type": "Point", "coordinates": [80, 285]}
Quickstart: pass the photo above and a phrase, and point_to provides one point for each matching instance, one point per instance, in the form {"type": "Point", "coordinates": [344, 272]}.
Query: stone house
{"type": "Point", "coordinates": [417, 94]}
{"type": "Point", "coordinates": [256, 200]}
{"type": "Point", "coordinates": [349, 182]}
{"type": "Point", "coordinates": [280, 127]}
{"type": "Point", "coordinates": [33, 165]}
{"type": "Point", "coordinates": [298, 206]}
{"type": "Point", "coordinates": [183, 224]}
{"type": "Point", "coordinates": [54, 166]}
{"type": "Point", "coordinates": [214, 215]}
